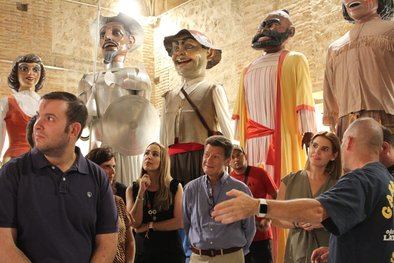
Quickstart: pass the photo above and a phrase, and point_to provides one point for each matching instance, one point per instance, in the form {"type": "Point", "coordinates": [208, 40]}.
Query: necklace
{"type": "Point", "coordinates": [149, 203]}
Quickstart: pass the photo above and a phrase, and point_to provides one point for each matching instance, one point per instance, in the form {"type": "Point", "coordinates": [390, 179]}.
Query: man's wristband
{"type": "Point", "coordinates": [263, 207]}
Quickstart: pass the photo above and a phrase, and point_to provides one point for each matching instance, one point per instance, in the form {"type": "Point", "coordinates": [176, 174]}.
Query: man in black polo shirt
{"type": "Point", "coordinates": [55, 206]}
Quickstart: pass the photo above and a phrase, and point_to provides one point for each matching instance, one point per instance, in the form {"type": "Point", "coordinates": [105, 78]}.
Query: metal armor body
{"type": "Point", "coordinates": [121, 116]}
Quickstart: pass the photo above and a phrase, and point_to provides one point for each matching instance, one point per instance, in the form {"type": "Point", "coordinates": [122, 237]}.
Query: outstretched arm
{"type": "Point", "coordinates": [243, 206]}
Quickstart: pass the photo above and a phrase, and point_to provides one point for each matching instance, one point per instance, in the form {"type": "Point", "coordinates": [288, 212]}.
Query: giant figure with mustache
{"type": "Point", "coordinates": [274, 111]}
{"type": "Point", "coordinates": [120, 114]}
{"type": "Point", "coordinates": [359, 75]}
{"type": "Point", "coordinates": [182, 129]}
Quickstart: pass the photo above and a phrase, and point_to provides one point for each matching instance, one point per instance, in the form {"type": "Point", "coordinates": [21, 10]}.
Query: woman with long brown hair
{"type": "Point", "coordinates": [155, 204]}
{"type": "Point", "coordinates": [322, 170]}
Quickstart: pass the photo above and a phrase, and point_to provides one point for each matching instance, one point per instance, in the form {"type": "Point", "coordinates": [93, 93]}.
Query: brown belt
{"type": "Point", "coordinates": [214, 252]}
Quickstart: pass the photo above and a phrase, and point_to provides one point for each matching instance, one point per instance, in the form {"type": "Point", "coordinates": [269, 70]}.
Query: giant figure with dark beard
{"type": "Point", "coordinates": [274, 111]}
{"type": "Point", "coordinates": [120, 114]}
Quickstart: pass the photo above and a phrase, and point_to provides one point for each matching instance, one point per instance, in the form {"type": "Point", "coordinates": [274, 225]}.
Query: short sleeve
{"type": "Point", "coordinates": [285, 180]}
{"type": "Point", "coordinates": [107, 216]}
{"type": "Point", "coordinates": [344, 204]}
{"type": "Point", "coordinates": [8, 195]}
{"type": "Point", "coordinates": [268, 182]}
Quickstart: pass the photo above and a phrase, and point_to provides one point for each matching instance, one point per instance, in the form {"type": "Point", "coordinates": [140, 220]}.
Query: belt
{"type": "Point", "coordinates": [214, 252]}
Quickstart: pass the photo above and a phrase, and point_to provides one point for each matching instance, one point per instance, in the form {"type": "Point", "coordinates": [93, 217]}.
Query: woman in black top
{"type": "Point", "coordinates": [155, 203]}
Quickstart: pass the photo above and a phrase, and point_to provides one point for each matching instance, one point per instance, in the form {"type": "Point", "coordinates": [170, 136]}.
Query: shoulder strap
{"type": "Point", "coordinates": [202, 120]}
{"type": "Point", "coordinates": [135, 188]}
{"type": "Point", "coordinates": [174, 186]}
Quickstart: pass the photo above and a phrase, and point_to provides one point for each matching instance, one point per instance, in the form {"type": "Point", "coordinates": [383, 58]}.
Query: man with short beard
{"type": "Point", "coordinates": [359, 75]}
{"type": "Point", "coordinates": [56, 206]}
{"type": "Point", "coordinates": [274, 111]}
{"type": "Point", "coordinates": [184, 126]}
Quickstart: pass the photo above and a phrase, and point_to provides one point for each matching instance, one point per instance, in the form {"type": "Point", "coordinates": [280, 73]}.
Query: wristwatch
{"type": "Point", "coordinates": [150, 225]}
{"type": "Point", "coordinates": [263, 207]}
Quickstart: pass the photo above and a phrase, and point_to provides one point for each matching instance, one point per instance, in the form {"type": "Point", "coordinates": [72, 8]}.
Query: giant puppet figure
{"type": "Point", "coordinates": [196, 108]}
{"type": "Point", "coordinates": [274, 111]}
{"type": "Point", "coordinates": [117, 99]}
{"type": "Point", "coordinates": [26, 78]}
{"type": "Point", "coordinates": [359, 76]}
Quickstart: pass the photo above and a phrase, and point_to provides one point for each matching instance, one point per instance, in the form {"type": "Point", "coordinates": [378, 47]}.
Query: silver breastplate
{"type": "Point", "coordinates": [123, 117]}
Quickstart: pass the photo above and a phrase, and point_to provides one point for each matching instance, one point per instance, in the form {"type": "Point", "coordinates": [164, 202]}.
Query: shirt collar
{"type": "Point", "coordinates": [39, 161]}
{"type": "Point", "coordinates": [190, 86]}
{"type": "Point", "coordinates": [222, 180]}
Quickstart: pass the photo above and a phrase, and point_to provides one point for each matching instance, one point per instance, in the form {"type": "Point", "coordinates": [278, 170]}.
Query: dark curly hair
{"type": "Point", "coordinates": [100, 155]}
{"type": "Point", "coordinates": [13, 81]}
{"type": "Point", "coordinates": [385, 10]}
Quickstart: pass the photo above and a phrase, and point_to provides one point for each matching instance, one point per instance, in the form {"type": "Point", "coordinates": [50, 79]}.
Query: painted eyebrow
{"type": "Point", "coordinates": [183, 39]}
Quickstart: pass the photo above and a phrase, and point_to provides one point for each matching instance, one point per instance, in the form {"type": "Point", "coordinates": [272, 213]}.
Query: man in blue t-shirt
{"type": "Point", "coordinates": [56, 206]}
{"type": "Point", "coordinates": [386, 157]}
{"type": "Point", "coordinates": [358, 210]}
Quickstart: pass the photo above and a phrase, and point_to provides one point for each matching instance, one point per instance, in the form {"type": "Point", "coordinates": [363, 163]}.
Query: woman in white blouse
{"type": "Point", "coordinates": [26, 78]}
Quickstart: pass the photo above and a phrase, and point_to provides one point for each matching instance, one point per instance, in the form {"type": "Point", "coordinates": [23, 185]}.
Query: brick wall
{"type": "Point", "coordinates": [58, 31]}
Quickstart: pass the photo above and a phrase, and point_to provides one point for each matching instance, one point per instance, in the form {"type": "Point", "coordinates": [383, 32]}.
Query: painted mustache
{"type": "Point", "coordinates": [109, 42]}
{"type": "Point", "coordinates": [276, 39]}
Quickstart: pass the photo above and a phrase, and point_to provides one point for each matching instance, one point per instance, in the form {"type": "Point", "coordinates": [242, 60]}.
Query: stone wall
{"type": "Point", "coordinates": [233, 23]}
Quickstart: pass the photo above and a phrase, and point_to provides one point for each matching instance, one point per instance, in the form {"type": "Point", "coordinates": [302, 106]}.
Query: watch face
{"type": "Point", "coordinates": [263, 208]}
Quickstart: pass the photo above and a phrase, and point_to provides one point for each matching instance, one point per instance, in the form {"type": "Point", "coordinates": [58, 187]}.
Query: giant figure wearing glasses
{"type": "Point", "coordinates": [359, 76]}
{"type": "Point", "coordinates": [196, 108]}
{"type": "Point", "coordinates": [274, 111]}
{"type": "Point", "coordinates": [25, 79]}
{"type": "Point", "coordinates": [117, 98]}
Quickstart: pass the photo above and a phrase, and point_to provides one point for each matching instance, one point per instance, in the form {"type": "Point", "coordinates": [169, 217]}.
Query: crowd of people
{"type": "Point", "coordinates": [197, 196]}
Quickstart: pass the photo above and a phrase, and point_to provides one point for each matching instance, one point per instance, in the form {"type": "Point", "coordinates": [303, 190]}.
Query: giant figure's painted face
{"type": "Point", "coordinates": [28, 75]}
{"type": "Point", "coordinates": [361, 9]}
{"type": "Point", "coordinates": [190, 57]}
{"type": "Point", "coordinates": [114, 40]}
{"type": "Point", "coordinates": [272, 32]}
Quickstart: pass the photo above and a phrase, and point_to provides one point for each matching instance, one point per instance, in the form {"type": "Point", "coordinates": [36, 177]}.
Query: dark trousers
{"type": "Point", "coordinates": [186, 166]}
{"type": "Point", "coordinates": [259, 252]}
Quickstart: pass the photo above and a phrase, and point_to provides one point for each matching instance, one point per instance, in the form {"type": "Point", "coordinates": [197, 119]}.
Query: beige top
{"type": "Point", "coordinates": [180, 121]}
{"type": "Point", "coordinates": [360, 71]}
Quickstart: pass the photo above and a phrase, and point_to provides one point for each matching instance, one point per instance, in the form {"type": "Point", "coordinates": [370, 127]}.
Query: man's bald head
{"type": "Point", "coordinates": [367, 134]}
{"type": "Point", "coordinates": [361, 144]}
{"type": "Point", "coordinates": [282, 13]}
